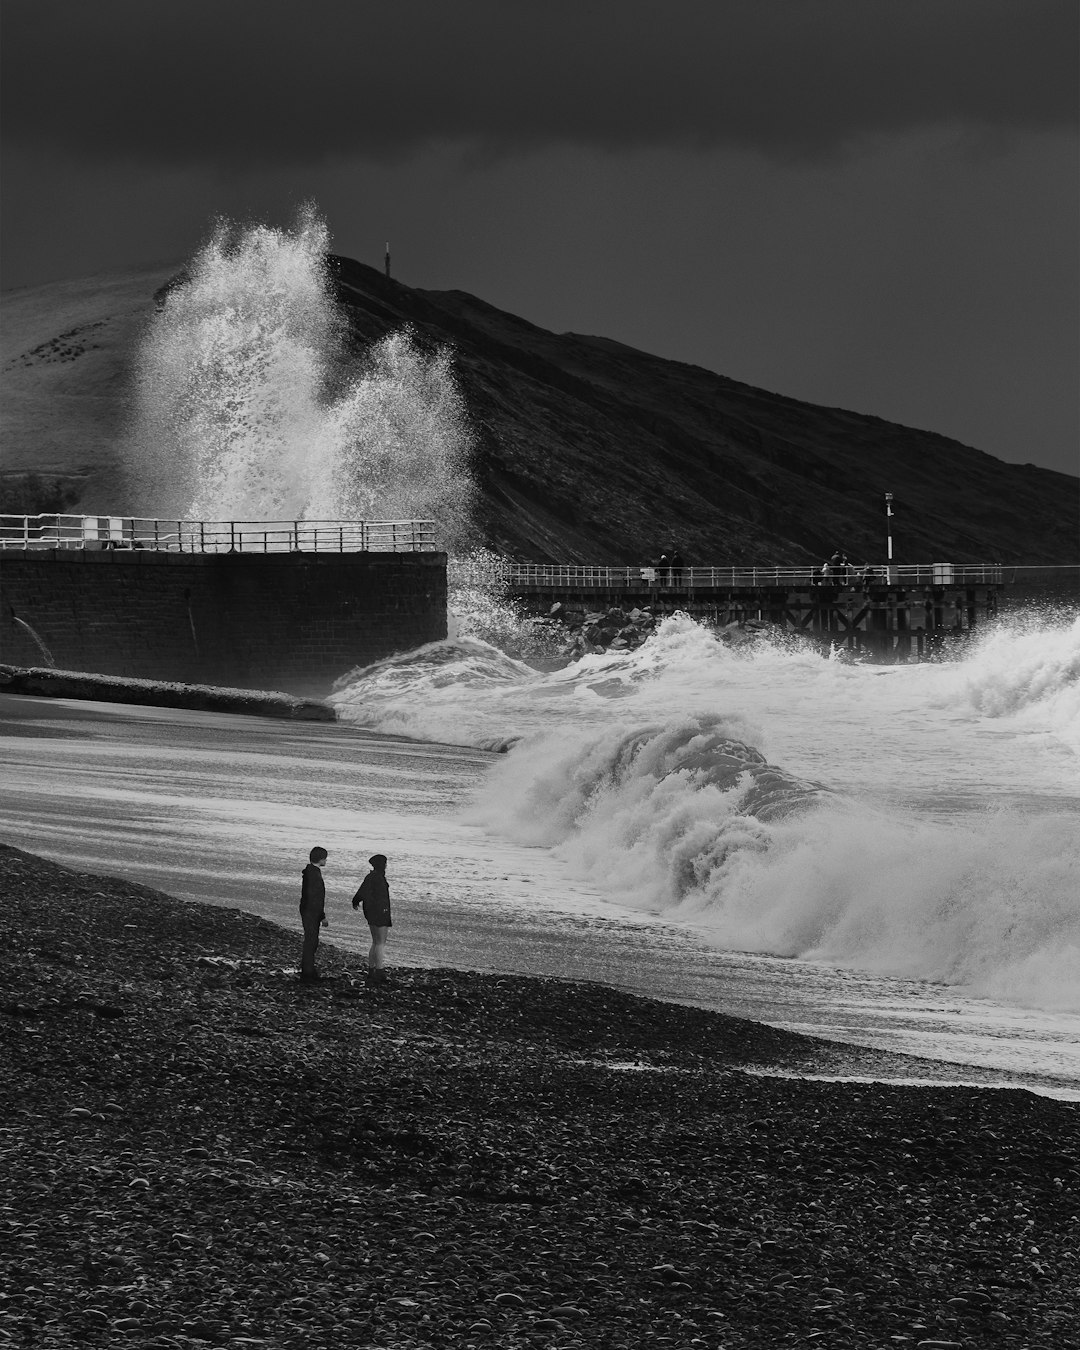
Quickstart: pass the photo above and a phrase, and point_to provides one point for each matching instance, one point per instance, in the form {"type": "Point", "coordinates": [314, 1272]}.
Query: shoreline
{"type": "Point", "coordinates": [204, 1152]}
{"type": "Point", "coordinates": [516, 932]}
{"type": "Point", "coordinates": [45, 682]}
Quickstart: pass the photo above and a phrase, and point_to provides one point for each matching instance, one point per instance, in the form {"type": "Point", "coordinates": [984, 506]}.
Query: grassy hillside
{"type": "Point", "coordinates": [65, 352]}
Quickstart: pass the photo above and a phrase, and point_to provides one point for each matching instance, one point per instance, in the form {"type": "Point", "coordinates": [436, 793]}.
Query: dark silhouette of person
{"type": "Point", "coordinates": [374, 895]}
{"type": "Point", "coordinates": [662, 569]}
{"type": "Point", "coordinates": [675, 559]}
{"type": "Point", "coordinates": [312, 911]}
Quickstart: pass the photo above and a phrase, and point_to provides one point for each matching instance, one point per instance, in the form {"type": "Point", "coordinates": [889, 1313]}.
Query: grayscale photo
{"type": "Point", "coordinates": [540, 674]}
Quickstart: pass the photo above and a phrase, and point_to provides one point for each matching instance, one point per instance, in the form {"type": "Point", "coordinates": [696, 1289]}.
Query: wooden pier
{"type": "Point", "coordinates": [895, 615]}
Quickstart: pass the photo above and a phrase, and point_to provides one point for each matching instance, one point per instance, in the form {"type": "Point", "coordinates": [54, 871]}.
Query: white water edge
{"type": "Point", "coordinates": [223, 808]}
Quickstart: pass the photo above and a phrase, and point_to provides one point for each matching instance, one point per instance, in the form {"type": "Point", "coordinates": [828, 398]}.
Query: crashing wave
{"type": "Point", "coordinates": [250, 406]}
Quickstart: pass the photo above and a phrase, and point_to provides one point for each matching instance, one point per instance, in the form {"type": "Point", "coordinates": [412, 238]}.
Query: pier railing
{"type": "Point", "coordinates": [407, 536]}
{"type": "Point", "coordinates": [205, 536]}
{"type": "Point", "coordinates": [575, 577]}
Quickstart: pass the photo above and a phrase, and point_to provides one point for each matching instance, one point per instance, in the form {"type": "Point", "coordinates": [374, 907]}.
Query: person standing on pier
{"type": "Point", "coordinates": [374, 895]}
{"type": "Point", "coordinates": [312, 911]}
{"type": "Point", "coordinates": [675, 559]}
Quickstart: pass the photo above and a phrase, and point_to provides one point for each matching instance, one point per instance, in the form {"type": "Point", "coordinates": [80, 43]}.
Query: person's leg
{"type": "Point", "coordinates": [377, 954]}
{"type": "Point", "coordinates": [311, 946]}
{"type": "Point", "coordinates": [373, 950]}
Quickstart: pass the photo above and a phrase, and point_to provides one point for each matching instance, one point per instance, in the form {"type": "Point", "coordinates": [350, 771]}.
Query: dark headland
{"type": "Point", "coordinates": [586, 450]}
{"type": "Point", "coordinates": [198, 1151]}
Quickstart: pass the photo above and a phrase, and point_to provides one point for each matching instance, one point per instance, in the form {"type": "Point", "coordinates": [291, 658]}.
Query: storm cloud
{"type": "Point", "coordinates": [218, 82]}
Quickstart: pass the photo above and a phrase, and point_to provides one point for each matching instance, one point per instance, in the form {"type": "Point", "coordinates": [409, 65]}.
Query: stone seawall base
{"type": "Point", "coordinates": [288, 621]}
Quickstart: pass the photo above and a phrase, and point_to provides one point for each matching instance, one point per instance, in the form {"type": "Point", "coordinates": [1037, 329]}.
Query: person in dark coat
{"type": "Point", "coordinates": [374, 895]}
{"type": "Point", "coordinates": [312, 911]}
{"type": "Point", "coordinates": [675, 562]}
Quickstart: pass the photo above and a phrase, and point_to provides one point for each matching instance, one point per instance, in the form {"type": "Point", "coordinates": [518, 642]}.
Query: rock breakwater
{"type": "Point", "coordinates": [49, 683]}
{"type": "Point", "coordinates": [589, 631]}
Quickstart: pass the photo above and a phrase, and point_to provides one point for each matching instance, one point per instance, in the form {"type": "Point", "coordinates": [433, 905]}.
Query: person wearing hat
{"type": "Point", "coordinates": [374, 895]}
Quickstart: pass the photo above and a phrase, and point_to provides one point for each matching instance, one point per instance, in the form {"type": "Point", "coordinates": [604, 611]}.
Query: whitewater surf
{"type": "Point", "coordinates": [913, 821]}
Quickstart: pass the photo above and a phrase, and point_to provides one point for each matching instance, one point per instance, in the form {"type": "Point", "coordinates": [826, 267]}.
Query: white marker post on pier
{"type": "Point", "coordinates": [888, 533]}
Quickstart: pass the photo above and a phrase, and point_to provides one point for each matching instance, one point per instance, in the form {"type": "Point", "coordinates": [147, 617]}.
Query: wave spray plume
{"type": "Point", "coordinates": [250, 406]}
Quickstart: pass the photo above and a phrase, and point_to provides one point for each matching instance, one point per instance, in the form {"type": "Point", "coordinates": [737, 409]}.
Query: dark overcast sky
{"type": "Point", "coordinates": [864, 203]}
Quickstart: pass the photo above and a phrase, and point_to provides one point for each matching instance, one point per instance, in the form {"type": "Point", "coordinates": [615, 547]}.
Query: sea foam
{"type": "Point", "coordinates": [879, 818]}
{"type": "Point", "coordinates": [1031, 670]}
{"type": "Point", "coordinates": [686, 823]}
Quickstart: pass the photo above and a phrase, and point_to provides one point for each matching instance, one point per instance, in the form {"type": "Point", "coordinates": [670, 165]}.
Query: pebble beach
{"type": "Point", "coordinates": [200, 1151]}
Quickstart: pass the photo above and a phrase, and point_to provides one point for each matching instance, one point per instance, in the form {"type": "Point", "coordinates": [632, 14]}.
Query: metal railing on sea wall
{"type": "Point", "coordinates": [229, 536]}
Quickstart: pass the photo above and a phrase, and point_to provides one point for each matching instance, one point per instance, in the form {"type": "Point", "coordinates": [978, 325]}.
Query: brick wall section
{"type": "Point", "coordinates": [284, 621]}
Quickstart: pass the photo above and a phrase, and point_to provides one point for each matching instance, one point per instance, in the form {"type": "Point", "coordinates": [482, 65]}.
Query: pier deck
{"type": "Point", "coordinates": [896, 615]}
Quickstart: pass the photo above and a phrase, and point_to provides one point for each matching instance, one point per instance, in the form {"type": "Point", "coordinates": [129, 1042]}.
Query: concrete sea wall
{"type": "Point", "coordinates": [289, 621]}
